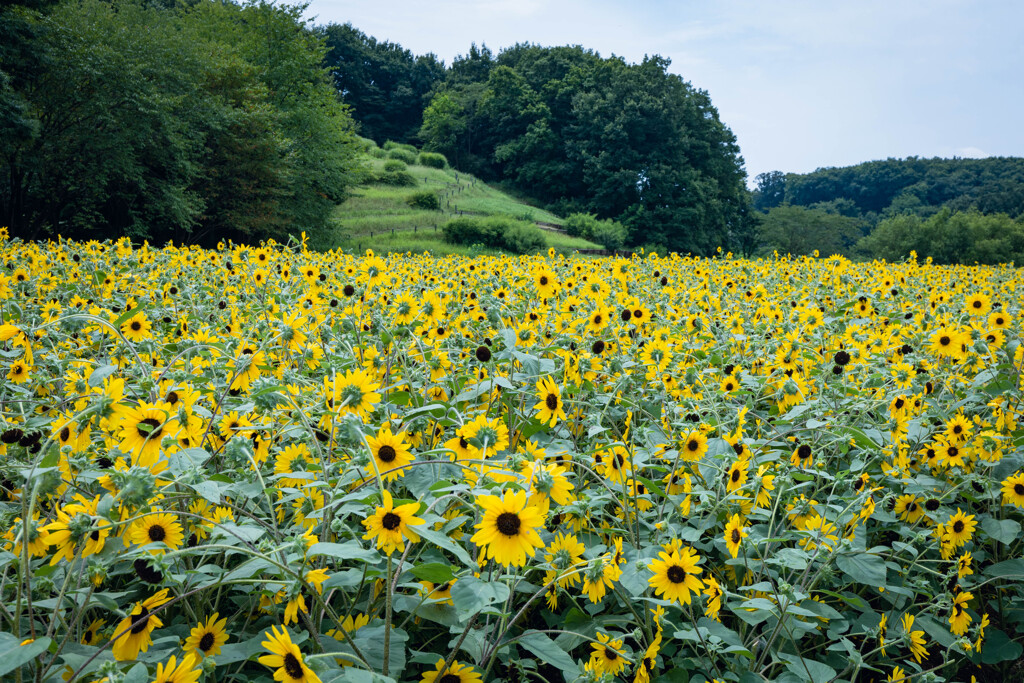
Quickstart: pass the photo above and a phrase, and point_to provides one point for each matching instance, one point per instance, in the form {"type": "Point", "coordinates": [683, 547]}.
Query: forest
{"type": "Point", "coordinates": [200, 121]}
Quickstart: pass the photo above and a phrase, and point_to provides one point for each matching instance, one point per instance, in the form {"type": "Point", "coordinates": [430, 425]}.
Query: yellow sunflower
{"type": "Point", "coordinates": [143, 428]}
{"type": "Point", "coordinates": [390, 525]}
{"type": "Point", "coordinates": [459, 673]}
{"type": "Point", "coordinates": [675, 575]}
{"type": "Point", "coordinates": [390, 454]}
{"type": "Point", "coordinates": [606, 656]}
{"type": "Point", "coordinates": [172, 672]}
{"type": "Point", "coordinates": [137, 328]}
{"type": "Point", "coordinates": [136, 629]}
{"type": "Point", "coordinates": [1013, 490]}
{"type": "Point", "coordinates": [157, 527]}
{"type": "Point", "coordinates": [286, 658]}
{"type": "Point", "coordinates": [207, 637]}
{"type": "Point", "coordinates": [549, 408]}
{"type": "Point", "coordinates": [734, 535]}
{"type": "Point", "coordinates": [508, 531]}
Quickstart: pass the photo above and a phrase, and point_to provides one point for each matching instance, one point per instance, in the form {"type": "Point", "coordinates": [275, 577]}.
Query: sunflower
{"type": "Point", "coordinates": [91, 634]}
{"type": "Point", "coordinates": [390, 525]}
{"type": "Point", "coordinates": [736, 476]}
{"type": "Point", "coordinates": [286, 658]}
{"type": "Point", "coordinates": [599, 577]}
{"type": "Point", "coordinates": [207, 638]}
{"type": "Point", "coordinates": [959, 529]}
{"type": "Point", "coordinates": [508, 531]}
{"type": "Point", "coordinates": [908, 508]}
{"type": "Point", "coordinates": [1013, 490]}
{"type": "Point", "coordinates": [883, 631]}
{"type": "Point", "coordinates": [694, 446]}
{"type": "Point", "coordinates": [564, 554]}
{"type": "Point", "coordinates": [352, 393]}
{"type": "Point", "coordinates": [917, 641]}
{"type": "Point", "coordinates": [734, 535]}
{"type": "Point", "coordinates": [959, 617]}
{"type": "Point", "coordinates": [390, 454]}
{"type": "Point", "coordinates": [185, 672]}
{"type": "Point", "coordinates": [134, 633]}
{"type": "Point", "coordinates": [550, 406]}
{"type": "Point", "coordinates": [606, 656]}
{"type": "Point", "coordinates": [999, 320]}
{"type": "Point", "coordinates": [714, 592]}
{"type": "Point", "coordinates": [455, 673]}
{"type": "Point", "coordinates": [157, 527]}
{"type": "Point", "coordinates": [948, 342]}
{"type": "Point", "coordinates": [803, 456]}
{"type": "Point", "coordinates": [76, 525]}
{"type": "Point", "coordinates": [137, 328]}
{"type": "Point", "coordinates": [898, 675]}
{"type": "Point", "coordinates": [143, 428]}
{"type": "Point", "coordinates": [19, 372]}
{"type": "Point", "coordinates": [978, 304]}
{"type": "Point", "coordinates": [546, 283]}
{"type": "Point", "coordinates": [675, 575]}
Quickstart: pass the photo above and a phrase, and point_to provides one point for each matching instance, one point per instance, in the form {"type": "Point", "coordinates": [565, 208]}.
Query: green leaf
{"type": "Point", "coordinates": [351, 674]}
{"type": "Point", "coordinates": [1003, 530]}
{"type": "Point", "coordinates": [350, 550]}
{"type": "Point", "coordinates": [549, 652]}
{"type": "Point", "coordinates": [13, 654]}
{"type": "Point", "coordinates": [808, 669]}
{"type": "Point", "coordinates": [441, 540]}
{"type": "Point", "coordinates": [97, 376]}
{"type": "Point", "coordinates": [471, 595]}
{"type": "Point", "coordinates": [1007, 569]}
{"type": "Point", "coordinates": [999, 648]}
{"type": "Point", "coordinates": [435, 572]}
{"type": "Point", "coordinates": [370, 640]}
{"type": "Point", "coordinates": [863, 568]}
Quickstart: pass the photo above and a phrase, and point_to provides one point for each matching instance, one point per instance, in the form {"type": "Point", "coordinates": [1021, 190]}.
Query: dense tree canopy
{"type": "Point", "coordinates": [630, 142]}
{"type": "Point", "coordinates": [195, 122]}
{"type": "Point", "coordinates": [877, 189]}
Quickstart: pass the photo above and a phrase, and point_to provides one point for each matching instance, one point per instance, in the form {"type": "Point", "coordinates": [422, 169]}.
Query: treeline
{"type": "Point", "coordinates": [195, 121]}
{"type": "Point", "coordinates": [952, 210]}
{"type": "Point", "coordinates": [876, 190]}
{"type": "Point", "coordinates": [576, 132]}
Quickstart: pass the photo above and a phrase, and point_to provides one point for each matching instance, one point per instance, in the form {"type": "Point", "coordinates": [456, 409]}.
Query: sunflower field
{"type": "Point", "coordinates": [271, 464]}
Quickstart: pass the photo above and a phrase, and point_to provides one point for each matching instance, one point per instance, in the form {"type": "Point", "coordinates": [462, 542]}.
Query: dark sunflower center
{"type": "Point", "coordinates": [65, 434]}
{"type": "Point", "coordinates": [140, 621]}
{"type": "Point", "coordinates": [508, 523]}
{"type": "Point", "coordinates": [136, 326]}
{"type": "Point", "coordinates": [735, 476]}
{"type": "Point", "coordinates": [94, 534]}
{"type": "Point", "coordinates": [610, 654]}
{"type": "Point", "coordinates": [958, 526]}
{"type": "Point", "coordinates": [693, 445]}
{"type": "Point", "coordinates": [911, 507]}
{"type": "Point", "coordinates": [736, 538]}
{"type": "Point", "coordinates": [386, 453]}
{"type": "Point", "coordinates": [172, 397]}
{"type": "Point", "coordinates": [206, 642]}
{"type": "Point", "coordinates": [390, 521]}
{"type": "Point", "coordinates": [292, 666]}
{"type": "Point", "coordinates": [154, 428]}
{"type": "Point", "coordinates": [551, 402]}
{"type": "Point", "coordinates": [804, 451]}
{"type": "Point", "coordinates": [543, 280]}
{"type": "Point", "coordinates": [1018, 489]}
{"type": "Point", "coordinates": [976, 304]}
{"type": "Point", "coordinates": [157, 533]}
{"type": "Point", "coordinates": [450, 678]}
{"type": "Point", "coordinates": [676, 574]}
{"type": "Point", "coordinates": [944, 340]}
{"type": "Point", "coordinates": [953, 451]}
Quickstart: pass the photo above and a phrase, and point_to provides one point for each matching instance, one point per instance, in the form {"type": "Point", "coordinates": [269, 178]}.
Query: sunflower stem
{"type": "Point", "coordinates": [387, 619]}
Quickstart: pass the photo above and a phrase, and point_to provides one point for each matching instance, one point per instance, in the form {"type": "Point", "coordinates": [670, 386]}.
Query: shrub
{"type": "Point", "coordinates": [378, 153]}
{"type": "Point", "coordinates": [391, 144]}
{"type": "Point", "coordinates": [365, 144]}
{"type": "Point", "coordinates": [393, 165]}
{"type": "Point", "coordinates": [608, 233]}
{"type": "Point", "coordinates": [427, 200]}
{"type": "Point", "coordinates": [580, 224]}
{"type": "Point", "coordinates": [433, 160]}
{"type": "Point", "coordinates": [397, 179]}
{"type": "Point", "coordinates": [498, 232]}
{"type": "Point", "coordinates": [403, 155]}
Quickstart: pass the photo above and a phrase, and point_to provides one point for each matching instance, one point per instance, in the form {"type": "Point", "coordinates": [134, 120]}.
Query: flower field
{"type": "Point", "coordinates": [255, 464]}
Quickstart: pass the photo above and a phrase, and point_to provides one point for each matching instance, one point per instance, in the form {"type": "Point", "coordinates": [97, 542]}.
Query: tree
{"type": "Point", "coordinates": [799, 231]}
{"type": "Point", "coordinates": [771, 190]}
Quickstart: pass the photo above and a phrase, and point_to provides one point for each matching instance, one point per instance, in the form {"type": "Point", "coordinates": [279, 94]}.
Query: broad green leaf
{"type": "Point", "coordinates": [13, 654]}
{"type": "Point", "coordinates": [350, 550]}
{"type": "Point", "coordinates": [1003, 530]}
{"type": "Point", "coordinates": [863, 568]}
{"type": "Point", "coordinates": [471, 595]}
{"type": "Point", "coordinates": [549, 652]}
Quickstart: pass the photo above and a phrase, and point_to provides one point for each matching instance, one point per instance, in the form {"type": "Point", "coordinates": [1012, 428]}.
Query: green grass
{"type": "Point", "coordinates": [366, 220]}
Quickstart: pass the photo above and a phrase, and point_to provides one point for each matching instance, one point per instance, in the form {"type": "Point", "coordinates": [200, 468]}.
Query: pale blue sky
{"type": "Point", "coordinates": [802, 84]}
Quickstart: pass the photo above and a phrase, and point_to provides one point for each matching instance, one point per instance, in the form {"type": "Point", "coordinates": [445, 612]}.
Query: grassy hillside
{"type": "Point", "coordinates": [377, 216]}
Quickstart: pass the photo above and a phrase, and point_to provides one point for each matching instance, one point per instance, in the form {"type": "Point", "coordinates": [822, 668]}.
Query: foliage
{"type": "Point", "coordinates": [608, 233]}
{"type": "Point", "coordinates": [403, 155]}
{"type": "Point", "coordinates": [802, 232]}
{"type": "Point", "coordinates": [392, 165]}
{"type": "Point", "coordinates": [629, 142]}
{"type": "Point", "coordinates": [949, 237]}
{"type": "Point", "coordinates": [396, 178]}
{"type": "Point", "coordinates": [384, 84]}
{"type": "Point", "coordinates": [877, 189]}
{"type": "Point", "coordinates": [197, 123]}
{"type": "Point", "coordinates": [652, 469]}
{"type": "Point", "coordinates": [432, 160]}
{"type": "Point", "coordinates": [496, 232]}
{"type": "Point", "coordinates": [425, 199]}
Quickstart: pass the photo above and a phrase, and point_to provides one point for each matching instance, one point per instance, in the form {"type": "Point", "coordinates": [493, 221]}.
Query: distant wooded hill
{"type": "Point", "coordinates": [876, 190]}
